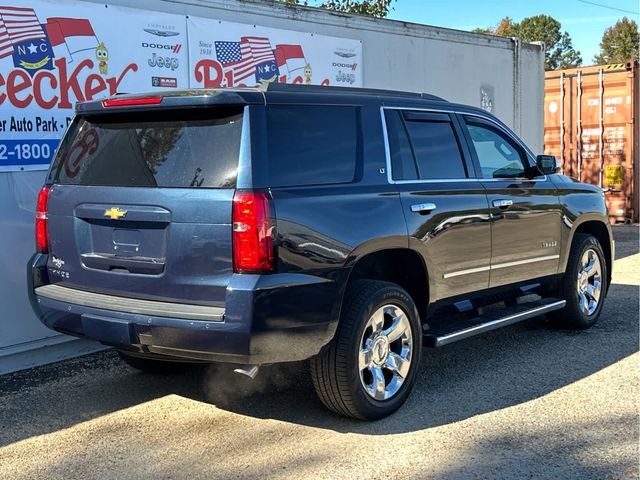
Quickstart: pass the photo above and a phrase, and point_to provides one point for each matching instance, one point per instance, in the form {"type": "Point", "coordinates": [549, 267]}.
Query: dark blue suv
{"type": "Point", "coordinates": [349, 227]}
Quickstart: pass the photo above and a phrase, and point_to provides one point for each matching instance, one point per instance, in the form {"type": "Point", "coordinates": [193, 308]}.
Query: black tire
{"type": "Point", "coordinates": [150, 365]}
{"type": "Point", "coordinates": [572, 316]}
{"type": "Point", "coordinates": [335, 372]}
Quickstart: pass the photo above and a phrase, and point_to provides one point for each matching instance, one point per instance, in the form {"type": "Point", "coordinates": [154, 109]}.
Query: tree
{"type": "Point", "coordinates": [559, 51]}
{"type": "Point", "coordinates": [619, 43]}
{"type": "Point", "coordinates": [374, 8]}
{"type": "Point", "coordinates": [566, 55]}
{"type": "Point", "coordinates": [541, 28]}
{"type": "Point", "coordinates": [506, 28]}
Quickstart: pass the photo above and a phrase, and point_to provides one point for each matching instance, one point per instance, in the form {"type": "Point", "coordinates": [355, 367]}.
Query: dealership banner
{"type": "Point", "coordinates": [55, 53]}
{"type": "Point", "coordinates": [227, 54]}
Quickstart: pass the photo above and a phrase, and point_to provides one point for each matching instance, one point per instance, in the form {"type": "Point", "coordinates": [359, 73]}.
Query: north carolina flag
{"type": "Point", "coordinates": [70, 35]}
{"type": "Point", "coordinates": [290, 59]}
{"type": "Point", "coordinates": [18, 25]}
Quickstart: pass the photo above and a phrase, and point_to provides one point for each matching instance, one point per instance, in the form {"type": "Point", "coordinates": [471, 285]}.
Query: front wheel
{"type": "Point", "coordinates": [367, 372]}
{"type": "Point", "coordinates": [584, 284]}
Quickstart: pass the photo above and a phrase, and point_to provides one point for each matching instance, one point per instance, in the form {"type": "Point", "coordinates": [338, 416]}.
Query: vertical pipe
{"type": "Point", "coordinates": [601, 127]}
{"type": "Point", "coordinates": [562, 159]}
{"type": "Point", "coordinates": [517, 81]}
{"type": "Point", "coordinates": [579, 125]}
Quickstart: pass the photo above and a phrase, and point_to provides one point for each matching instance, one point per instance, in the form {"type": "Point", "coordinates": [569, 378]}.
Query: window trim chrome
{"type": "Point", "coordinates": [387, 149]}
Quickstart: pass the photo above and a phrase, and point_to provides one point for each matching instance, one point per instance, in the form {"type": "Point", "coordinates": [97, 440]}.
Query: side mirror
{"type": "Point", "coordinates": [547, 164]}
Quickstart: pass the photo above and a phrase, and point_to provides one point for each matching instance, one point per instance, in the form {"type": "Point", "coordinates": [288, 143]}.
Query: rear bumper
{"type": "Point", "coordinates": [266, 318]}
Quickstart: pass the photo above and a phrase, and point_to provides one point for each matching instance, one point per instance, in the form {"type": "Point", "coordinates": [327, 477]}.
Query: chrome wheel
{"type": "Point", "coordinates": [589, 283]}
{"type": "Point", "coordinates": [386, 349]}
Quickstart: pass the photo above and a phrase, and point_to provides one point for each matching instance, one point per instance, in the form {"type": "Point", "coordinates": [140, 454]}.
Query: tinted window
{"type": "Point", "coordinates": [166, 152]}
{"type": "Point", "coordinates": [311, 145]}
{"type": "Point", "coordinates": [423, 145]}
{"type": "Point", "coordinates": [436, 150]}
{"type": "Point", "coordinates": [403, 165]}
{"type": "Point", "coordinates": [497, 154]}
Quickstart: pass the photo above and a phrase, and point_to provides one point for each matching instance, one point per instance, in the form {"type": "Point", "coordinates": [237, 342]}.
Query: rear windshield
{"type": "Point", "coordinates": [187, 149]}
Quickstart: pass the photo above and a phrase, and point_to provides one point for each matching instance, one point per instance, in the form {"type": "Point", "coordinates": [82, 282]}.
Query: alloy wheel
{"type": "Point", "coordinates": [385, 354]}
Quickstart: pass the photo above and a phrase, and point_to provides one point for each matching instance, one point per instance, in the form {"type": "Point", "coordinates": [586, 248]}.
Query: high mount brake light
{"type": "Point", "coordinates": [124, 102]}
{"type": "Point", "coordinates": [252, 244]}
{"type": "Point", "coordinates": [42, 235]}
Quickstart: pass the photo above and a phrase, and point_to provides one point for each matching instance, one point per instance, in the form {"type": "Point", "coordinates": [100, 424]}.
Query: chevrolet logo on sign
{"type": "Point", "coordinates": [114, 213]}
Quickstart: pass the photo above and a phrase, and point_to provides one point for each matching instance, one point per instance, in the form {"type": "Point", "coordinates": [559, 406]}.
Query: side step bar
{"type": "Point", "coordinates": [454, 332]}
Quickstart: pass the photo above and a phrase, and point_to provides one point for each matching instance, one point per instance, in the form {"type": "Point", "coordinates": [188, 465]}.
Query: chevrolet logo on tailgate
{"type": "Point", "coordinates": [114, 213]}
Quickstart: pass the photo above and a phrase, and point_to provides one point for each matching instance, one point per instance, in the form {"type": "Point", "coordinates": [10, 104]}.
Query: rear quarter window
{"type": "Point", "coordinates": [311, 145]}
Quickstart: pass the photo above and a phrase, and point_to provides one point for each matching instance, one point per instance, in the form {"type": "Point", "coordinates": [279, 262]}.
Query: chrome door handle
{"type": "Point", "coordinates": [502, 203]}
{"type": "Point", "coordinates": [423, 207]}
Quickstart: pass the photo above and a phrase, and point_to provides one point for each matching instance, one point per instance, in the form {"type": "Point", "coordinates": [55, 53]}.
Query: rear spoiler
{"type": "Point", "coordinates": [180, 99]}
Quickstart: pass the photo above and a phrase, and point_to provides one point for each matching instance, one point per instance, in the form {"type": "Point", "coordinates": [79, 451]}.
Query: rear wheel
{"type": "Point", "coordinates": [368, 371]}
{"type": "Point", "coordinates": [151, 365]}
{"type": "Point", "coordinates": [584, 284]}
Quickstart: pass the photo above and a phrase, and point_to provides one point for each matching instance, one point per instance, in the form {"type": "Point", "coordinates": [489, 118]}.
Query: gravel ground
{"type": "Point", "coordinates": [528, 401]}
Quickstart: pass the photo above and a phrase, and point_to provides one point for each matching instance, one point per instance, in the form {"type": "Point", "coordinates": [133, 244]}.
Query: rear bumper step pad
{"type": "Point", "coordinates": [130, 305]}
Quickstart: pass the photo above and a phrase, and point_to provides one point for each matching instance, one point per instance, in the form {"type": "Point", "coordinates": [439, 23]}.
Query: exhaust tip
{"type": "Point", "coordinates": [250, 371]}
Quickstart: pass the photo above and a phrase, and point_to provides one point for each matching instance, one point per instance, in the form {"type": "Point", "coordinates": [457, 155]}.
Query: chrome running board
{"type": "Point", "coordinates": [454, 332]}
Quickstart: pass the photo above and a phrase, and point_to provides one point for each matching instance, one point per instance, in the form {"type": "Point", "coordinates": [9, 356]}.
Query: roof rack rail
{"type": "Point", "coordinates": [300, 88]}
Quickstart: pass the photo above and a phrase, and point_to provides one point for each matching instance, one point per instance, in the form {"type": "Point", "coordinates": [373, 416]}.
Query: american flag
{"type": "Point", "coordinates": [18, 25]}
{"type": "Point", "coordinates": [244, 56]}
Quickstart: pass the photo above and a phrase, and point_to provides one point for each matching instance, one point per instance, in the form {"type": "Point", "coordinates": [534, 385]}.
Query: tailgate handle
{"type": "Point", "coordinates": [140, 265]}
{"type": "Point", "coordinates": [119, 213]}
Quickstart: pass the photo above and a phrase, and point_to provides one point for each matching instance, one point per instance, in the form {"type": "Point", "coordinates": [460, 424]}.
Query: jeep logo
{"type": "Point", "coordinates": [161, 46]}
{"type": "Point", "coordinates": [163, 62]}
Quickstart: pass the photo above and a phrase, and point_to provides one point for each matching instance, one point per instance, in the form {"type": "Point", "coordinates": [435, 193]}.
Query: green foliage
{"type": "Point", "coordinates": [374, 8]}
{"type": "Point", "coordinates": [559, 51]}
{"type": "Point", "coordinates": [565, 55]}
{"type": "Point", "coordinates": [506, 28]}
{"type": "Point", "coordinates": [540, 28]}
{"type": "Point", "coordinates": [619, 43]}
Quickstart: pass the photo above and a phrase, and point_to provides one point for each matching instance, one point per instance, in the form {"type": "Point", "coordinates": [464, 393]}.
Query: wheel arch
{"type": "Point", "coordinates": [601, 230]}
{"type": "Point", "coordinates": [400, 265]}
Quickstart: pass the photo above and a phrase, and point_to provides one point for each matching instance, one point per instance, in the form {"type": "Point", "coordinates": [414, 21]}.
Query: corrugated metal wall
{"type": "Point", "coordinates": [499, 74]}
{"type": "Point", "coordinates": [591, 123]}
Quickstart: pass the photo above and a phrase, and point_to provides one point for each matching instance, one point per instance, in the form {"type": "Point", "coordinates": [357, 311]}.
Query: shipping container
{"type": "Point", "coordinates": [591, 123]}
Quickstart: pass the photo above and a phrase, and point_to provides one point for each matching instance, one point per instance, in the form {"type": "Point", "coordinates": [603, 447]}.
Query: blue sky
{"type": "Point", "coordinates": [585, 23]}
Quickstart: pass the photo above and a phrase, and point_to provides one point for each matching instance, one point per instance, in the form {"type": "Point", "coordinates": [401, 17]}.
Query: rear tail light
{"type": "Point", "coordinates": [42, 236]}
{"type": "Point", "coordinates": [252, 245]}
{"type": "Point", "coordinates": [127, 102]}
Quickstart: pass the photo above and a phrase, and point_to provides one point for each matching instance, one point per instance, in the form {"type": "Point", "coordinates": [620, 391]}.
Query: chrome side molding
{"type": "Point", "coordinates": [515, 263]}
